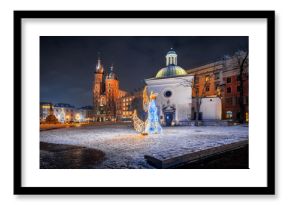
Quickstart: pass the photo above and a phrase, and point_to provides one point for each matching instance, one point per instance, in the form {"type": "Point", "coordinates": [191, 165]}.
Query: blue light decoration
{"type": "Point", "coordinates": [152, 124]}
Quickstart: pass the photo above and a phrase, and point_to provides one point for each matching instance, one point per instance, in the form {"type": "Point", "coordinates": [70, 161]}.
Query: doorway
{"type": "Point", "coordinates": [168, 118]}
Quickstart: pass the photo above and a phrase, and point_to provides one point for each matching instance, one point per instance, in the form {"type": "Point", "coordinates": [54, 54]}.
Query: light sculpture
{"type": "Point", "coordinates": [151, 125]}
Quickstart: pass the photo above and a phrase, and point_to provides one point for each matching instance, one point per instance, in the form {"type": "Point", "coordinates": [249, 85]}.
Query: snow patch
{"type": "Point", "coordinates": [124, 148]}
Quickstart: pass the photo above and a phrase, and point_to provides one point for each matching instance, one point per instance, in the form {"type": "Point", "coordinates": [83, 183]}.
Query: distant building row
{"type": "Point", "coordinates": [66, 113]}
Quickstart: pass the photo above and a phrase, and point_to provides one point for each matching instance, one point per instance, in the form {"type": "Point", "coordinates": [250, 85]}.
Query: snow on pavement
{"type": "Point", "coordinates": [124, 148]}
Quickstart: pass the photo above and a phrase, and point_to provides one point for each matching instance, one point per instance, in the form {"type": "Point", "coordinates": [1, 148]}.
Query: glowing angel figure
{"type": "Point", "coordinates": [152, 125]}
{"type": "Point", "coordinates": [138, 124]}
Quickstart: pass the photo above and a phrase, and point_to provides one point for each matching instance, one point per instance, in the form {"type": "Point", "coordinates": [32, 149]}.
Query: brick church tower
{"type": "Point", "coordinates": [112, 92]}
{"type": "Point", "coordinates": [105, 93]}
{"type": "Point", "coordinates": [98, 87]}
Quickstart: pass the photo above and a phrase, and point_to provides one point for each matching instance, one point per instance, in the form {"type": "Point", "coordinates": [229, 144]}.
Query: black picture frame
{"type": "Point", "coordinates": [269, 189]}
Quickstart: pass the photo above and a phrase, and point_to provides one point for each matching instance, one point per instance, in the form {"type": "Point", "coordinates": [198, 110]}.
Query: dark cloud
{"type": "Point", "coordinates": [67, 63]}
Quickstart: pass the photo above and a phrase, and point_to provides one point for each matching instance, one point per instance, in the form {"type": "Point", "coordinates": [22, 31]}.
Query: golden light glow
{"type": "Point", "coordinates": [45, 106]}
{"type": "Point", "coordinates": [145, 99]}
{"type": "Point", "coordinates": [77, 116]}
{"type": "Point", "coordinates": [153, 95]}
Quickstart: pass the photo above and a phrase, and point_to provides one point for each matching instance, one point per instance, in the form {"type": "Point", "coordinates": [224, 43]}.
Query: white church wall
{"type": "Point", "coordinates": [180, 95]}
{"type": "Point", "coordinates": [211, 108]}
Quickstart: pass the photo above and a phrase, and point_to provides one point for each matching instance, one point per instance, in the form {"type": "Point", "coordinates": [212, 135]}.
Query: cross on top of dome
{"type": "Point", "coordinates": [171, 51]}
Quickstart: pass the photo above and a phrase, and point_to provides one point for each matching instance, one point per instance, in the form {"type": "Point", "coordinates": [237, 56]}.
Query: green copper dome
{"type": "Point", "coordinates": [170, 71]}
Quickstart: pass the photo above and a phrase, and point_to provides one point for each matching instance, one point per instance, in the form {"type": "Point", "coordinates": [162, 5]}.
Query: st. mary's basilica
{"type": "Point", "coordinates": [105, 93]}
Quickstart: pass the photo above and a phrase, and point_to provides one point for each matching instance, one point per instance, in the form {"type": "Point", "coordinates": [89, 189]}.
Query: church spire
{"type": "Point", "coordinates": [112, 68]}
{"type": "Point", "coordinates": [111, 74]}
{"type": "Point", "coordinates": [99, 67]}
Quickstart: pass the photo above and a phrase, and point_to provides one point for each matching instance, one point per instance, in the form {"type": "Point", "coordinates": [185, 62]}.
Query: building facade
{"type": "Point", "coordinates": [124, 108]}
{"type": "Point", "coordinates": [86, 114]}
{"type": "Point", "coordinates": [218, 86]}
{"type": "Point", "coordinates": [106, 92]}
{"type": "Point", "coordinates": [232, 98]}
{"type": "Point", "coordinates": [173, 86]}
{"type": "Point", "coordinates": [44, 111]}
{"type": "Point", "coordinates": [206, 91]}
{"type": "Point", "coordinates": [66, 113]}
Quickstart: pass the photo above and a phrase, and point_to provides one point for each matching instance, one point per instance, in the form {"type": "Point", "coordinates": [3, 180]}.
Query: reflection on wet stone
{"type": "Point", "coordinates": [57, 156]}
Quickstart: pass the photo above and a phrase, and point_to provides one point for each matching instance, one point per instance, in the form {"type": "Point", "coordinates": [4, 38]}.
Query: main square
{"type": "Point", "coordinates": [110, 102]}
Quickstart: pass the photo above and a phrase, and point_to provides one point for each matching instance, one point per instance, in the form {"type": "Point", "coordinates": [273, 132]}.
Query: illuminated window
{"type": "Point", "coordinates": [229, 114]}
{"type": "Point", "coordinates": [46, 107]}
{"type": "Point", "coordinates": [207, 78]}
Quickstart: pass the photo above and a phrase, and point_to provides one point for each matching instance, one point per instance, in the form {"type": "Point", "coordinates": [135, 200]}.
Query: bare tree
{"type": "Point", "coordinates": [242, 62]}
{"type": "Point", "coordinates": [198, 96]}
{"type": "Point", "coordinates": [200, 93]}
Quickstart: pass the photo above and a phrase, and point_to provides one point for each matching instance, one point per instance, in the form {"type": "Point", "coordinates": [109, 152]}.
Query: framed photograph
{"type": "Point", "coordinates": [144, 102]}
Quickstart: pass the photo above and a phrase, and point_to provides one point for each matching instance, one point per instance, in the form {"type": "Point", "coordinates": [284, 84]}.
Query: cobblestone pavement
{"type": "Point", "coordinates": [124, 148]}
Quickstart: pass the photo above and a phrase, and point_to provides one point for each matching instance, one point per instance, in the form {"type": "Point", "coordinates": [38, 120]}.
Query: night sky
{"type": "Point", "coordinates": [67, 64]}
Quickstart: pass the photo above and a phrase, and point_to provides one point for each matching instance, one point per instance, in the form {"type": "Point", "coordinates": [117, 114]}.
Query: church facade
{"type": "Point", "coordinates": [105, 93]}
{"type": "Point", "coordinates": [173, 86]}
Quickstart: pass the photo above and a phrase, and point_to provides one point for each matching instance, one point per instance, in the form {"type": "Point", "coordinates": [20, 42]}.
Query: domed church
{"type": "Point", "coordinates": [173, 85]}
